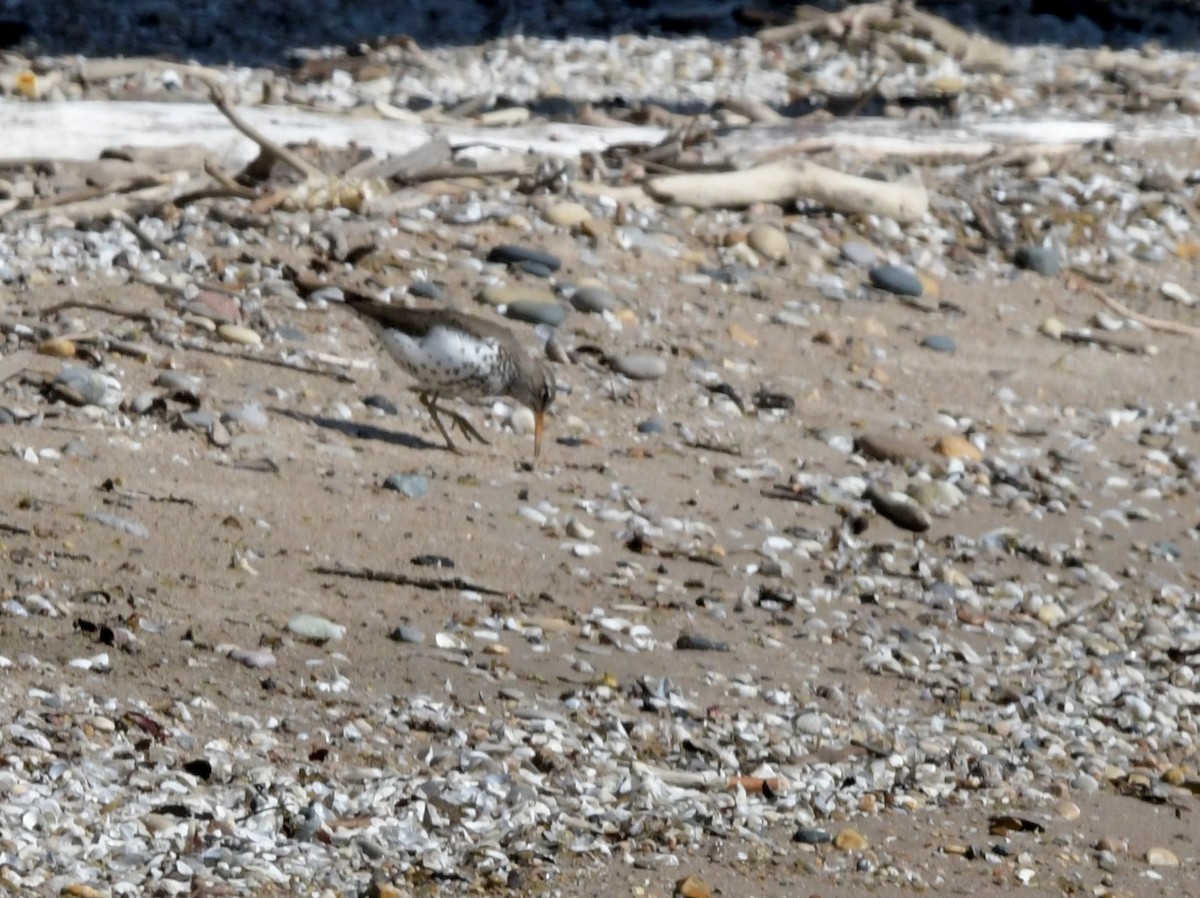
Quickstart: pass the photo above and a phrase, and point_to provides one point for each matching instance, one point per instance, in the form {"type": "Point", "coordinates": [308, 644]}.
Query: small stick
{"type": "Point", "coordinates": [131, 314]}
{"type": "Point", "coordinates": [399, 579]}
{"type": "Point", "coordinates": [1158, 324]}
{"type": "Point", "coordinates": [297, 162]}
{"type": "Point", "coordinates": [256, 359]}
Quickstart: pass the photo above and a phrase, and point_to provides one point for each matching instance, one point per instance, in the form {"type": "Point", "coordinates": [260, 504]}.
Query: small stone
{"type": "Point", "coordinates": [886, 447]}
{"type": "Point", "coordinates": [856, 252]}
{"type": "Point", "coordinates": [407, 634]}
{"type": "Point", "coordinates": [894, 279]}
{"type": "Point", "coordinates": [692, 887]}
{"type": "Point", "coordinates": [412, 485]}
{"type": "Point", "coordinates": [567, 215]}
{"type": "Point", "coordinates": [1052, 328]}
{"type": "Point", "coordinates": [940, 343]}
{"type": "Point", "coordinates": [180, 385]}
{"type": "Point", "coordinates": [256, 658]}
{"type": "Point", "coordinates": [1067, 810]}
{"type": "Point", "coordinates": [502, 295]}
{"type": "Point", "coordinates": [316, 629]}
{"type": "Point", "coordinates": [236, 333]}
{"type": "Point", "coordinates": [382, 403]}
{"type": "Point", "coordinates": [551, 314]}
{"type": "Point", "coordinates": [125, 525]}
{"type": "Point", "coordinates": [811, 835]}
{"type": "Point", "coordinates": [426, 290]}
{"type": "Point", "coordinates": [899, 508]}
{"type": "Point", "coordinates": [514, 254]}
{"type": "Point", "coordinates": [1161, 857]}
{"type": "Point", "coordinates": [688, 642]}
{"type": "Point", "coordinates": [954, 446]}
{"type": "Point", "coordinates": [248, 414]}
{"type": "Point", "coordinates": [85, 386]}
{"type": "Point", "coordinates": [640, 366]}
{"type": "Point", "coordinates": [653, 424]}
{"type": "Point", "coordinates": [1043, 260]}
{"type": "Point", "coordinates": [593, 299]}
{"type": "Point", "coordinates": [1176, 293]}
{"type": "Point", "coordinates": [58, 347]}
{"type": "Point", "coordinates": [216, 307]}
{"type": "Point", "coordinates": [850, 840]}
{"type": "Point", "coordinates": [769, 242]}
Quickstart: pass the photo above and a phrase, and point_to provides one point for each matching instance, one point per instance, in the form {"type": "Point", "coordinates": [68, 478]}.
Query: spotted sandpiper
{"type": "Point", "coordinates": [453, 354]}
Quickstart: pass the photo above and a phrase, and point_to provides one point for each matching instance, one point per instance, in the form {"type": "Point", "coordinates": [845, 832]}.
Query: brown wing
{"type": "Point", "coordinates": [419, 322]}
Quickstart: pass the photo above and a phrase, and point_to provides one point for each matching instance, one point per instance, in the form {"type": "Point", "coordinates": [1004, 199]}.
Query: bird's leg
{"type": "Point", "coordinates": [431, 406]}
{"type": "Point", "coordinates": [465, 427]}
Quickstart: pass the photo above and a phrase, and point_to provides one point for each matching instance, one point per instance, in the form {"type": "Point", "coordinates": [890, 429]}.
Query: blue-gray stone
{"type": "Point", "coordinates": [406, 633]}
{"type": "Point", "coordinates": [940, 343]}
{"type": "Point", "coordinates": [1044, 260]}
{"type": "Point", "coordinates": [894, 279]}
{"type": "Point", "coordinates": [551, 314]}
{"type": "Point", "coordinates": [426, 290]}
{"type": "Point", "coordinates": [535, 269]}
{"type": "Point", "coordinates": [593, 300]}
{"type": "Point", "coordinates": [412, 485]}
{"type": "Point", "coordinates": [513, 254]}
{"type": "Point", "coordinates": [290, 333]}
{"type": "Point", "coordinates": [653, 424]}
{"type": "Point", "coordinates": [382, 403]}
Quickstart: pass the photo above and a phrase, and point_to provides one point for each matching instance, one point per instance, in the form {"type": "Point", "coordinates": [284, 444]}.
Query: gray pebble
{"type": "Point", "coordinates": [143, 402]}
{"type": "Point", "coordinates": [689, 642]}
{"type": "Point", "coordinates": [512, 254]}
{"type": "Point", "coordinates": [412, 485]}
{"type": "Point", "coordinates": [91, 387]}
{"type": "Point", "coordinates": [290, 334]}
{"type": "Point", "coordinates": [426, 290]}
{"type": "Point", "coordinates": [125, 525]}
{"type": "Point", "coordinates": [1042, 259]}
{"type": "Point", "coordinates": [76, 449]}
{"type": "Point", "coordinates": [811, 835]}
{"type": "Point", "coordinates": [382, 403]}
{"type": "Point", "coordinates": [247, 414]}
{"type": "Point", "coordinates": [190, 386]}
{"type": "Point", "coordinates": [327, 294]}
{"type": "Point", "coordinates": [198, 419]}
{"type": "Point", "coordinates": [895, 279]}
{"type": "Point", "coordinates": [6, 417]}
{"type": "Point", "coordinates": [640, 365]}
{"type": "Point", "coordinates": [653, 424]}
{"type": "Point", "coordinates": [406, 633]}
{"type": "Point", "coordinates": [856, 252]}
{"type": "Point", "coordinates": [551, 314]}
{"type": "Point", "coordinates": [593, 300]}
{"type": "Point", "coordinates": [940, 343]}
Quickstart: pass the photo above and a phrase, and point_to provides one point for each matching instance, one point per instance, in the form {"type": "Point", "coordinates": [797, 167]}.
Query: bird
{"type": "Point", "coordinates": [457, 355]}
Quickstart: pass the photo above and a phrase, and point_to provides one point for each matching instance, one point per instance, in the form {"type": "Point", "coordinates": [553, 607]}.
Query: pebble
{"type": "Point", "coordinates": [593, 299]}
{"type": "Point", "coordinates": [1161, 857]}
{"type": "Point", "coordinates": [408, 634]}
{"type": "Point", "coordinates": [850, 840]}
{"type": "Point", "coordinates": [640, 365]}
{"type": "Point", "coordinates": [427, 290]}
{"type": "Point", "coordinates": [954, 446]}
{"type": "Point", "coordinates": [501, 295]}
{"type": "Point", "coordinates": [652, 425]}
{"type": "Point", "coordinates": [125, 525]}
{"type": "Point", "coordinates": [900, 509]}
{"type": "Point", "coordinates": [1176, 293]}
{"type": "Point", "coordinates": [769, 242]}
{"type": "Point", "coordinates": [248, 414]}
{"type": "Point", "coordinates": [57, 347]}
{"type": "Point", "coordinates": [894, 279]}
{"type": "Point", "coordinates": [551, 314]}
{"type": "Point", "coordinates": [216, 307]}
{"type": "Point", "coordinates": [514, 254]}
{"type": "Point", "coordinates": [237, 333]}
{"type": "Point", "coordinates": [314, 628]}
{"type": "Point", "coordinates": [412, 485]}
{"type": "Point", "coordinates": [1043, 260]}
{"type": "Point", "coordinates": [888, 447]}
{"type": "Point", "coordinates": [381, 403]}
{"type": "Point", "coordinates": [567, 215]}
{"type": "Point", "coordinates": [939, 343]}
{"type": "Point", "coordinates": [89, 387]}
{"type": "Point", "coordinates": [255, 658]}
{"type": "Point", "coordinates": [809, 835]}
{"type": "Point", "coordinates": [858, 253]}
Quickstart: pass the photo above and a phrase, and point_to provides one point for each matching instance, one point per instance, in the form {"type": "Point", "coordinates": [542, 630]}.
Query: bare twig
{"type": "Point", "coordinates": [1158, 324]}
{"type": "Point", "coordinates": [300, 164]}
{"type": "Point", "coordinates": [131, 314]}
{"type": "Point", "coordinates": [256, 359]}
{"type": "Point", "coordinates": [400, 579]}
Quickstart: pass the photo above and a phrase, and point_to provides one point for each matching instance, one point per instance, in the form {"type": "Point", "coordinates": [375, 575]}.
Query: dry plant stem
{"type": "Point", "coordinates": [91, 193]}
{"type": "Point", "coordinates": [1158, 324]}
{"type": "Point", "coordinates": [131, 314]}
{"type": "Point", "coordinates": [398, 579]}
{"type": "Point", "coordinates": [303, 166]}
{"type": "Point", "coordinates": [254, 359]}
{"type": "Point", "coordinates": [227, 181]}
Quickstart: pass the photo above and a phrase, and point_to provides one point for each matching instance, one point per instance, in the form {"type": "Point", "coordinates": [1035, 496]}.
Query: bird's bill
{"type": "Point", "coordinates": [539, 420]}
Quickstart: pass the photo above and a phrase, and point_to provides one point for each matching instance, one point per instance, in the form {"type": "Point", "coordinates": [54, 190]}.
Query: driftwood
{"type": "Point", "coordinates": [785, 182]}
